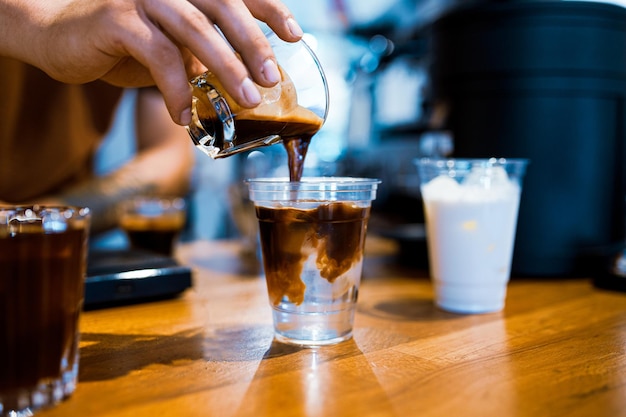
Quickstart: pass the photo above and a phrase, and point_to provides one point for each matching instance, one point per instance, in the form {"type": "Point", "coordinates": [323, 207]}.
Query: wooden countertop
{"type": "Point", "coordinates": [558, 349]}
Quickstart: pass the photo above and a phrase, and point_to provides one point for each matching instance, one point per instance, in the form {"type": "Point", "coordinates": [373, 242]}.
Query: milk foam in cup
{"type": "Point", "coordinates": [471, 209]}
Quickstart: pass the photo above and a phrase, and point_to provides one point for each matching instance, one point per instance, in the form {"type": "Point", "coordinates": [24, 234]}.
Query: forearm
{"type": "Point", "coordinates": [162, 165]}
{"type": "Point", "coordinates": [167, 172]}
{"type": "Point", "coordinates": [103, 196]}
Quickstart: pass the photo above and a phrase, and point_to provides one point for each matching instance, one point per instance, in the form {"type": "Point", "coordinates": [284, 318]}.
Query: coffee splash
{"type": "Point", "coordinates": [333, 232]}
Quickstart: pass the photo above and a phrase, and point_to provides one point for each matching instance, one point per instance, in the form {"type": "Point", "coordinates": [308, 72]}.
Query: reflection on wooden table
{"type": "Point", "coordinates": [558, 349]}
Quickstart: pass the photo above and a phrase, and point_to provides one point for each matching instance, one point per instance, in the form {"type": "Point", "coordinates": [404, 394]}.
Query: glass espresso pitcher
{"type": "Point", "coordinates": [296, 107]}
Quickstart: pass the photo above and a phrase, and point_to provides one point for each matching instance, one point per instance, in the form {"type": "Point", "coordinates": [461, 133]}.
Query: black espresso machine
{"type": "Point", "coordinates": [543, 80]}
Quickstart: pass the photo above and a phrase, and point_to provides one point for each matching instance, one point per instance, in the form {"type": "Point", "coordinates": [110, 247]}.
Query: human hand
{"type": "Point", "coordinates": [145, 42]}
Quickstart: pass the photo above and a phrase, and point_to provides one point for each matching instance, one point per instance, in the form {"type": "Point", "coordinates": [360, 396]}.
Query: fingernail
{"type": "Point", "coordinates": [185, 117]}
{"type": "Point", "coordinates": [250, 91]}
{"type": "Point", "coordinates": [270, 71]}
{"type": "Point", "coordinates": [294, 27]}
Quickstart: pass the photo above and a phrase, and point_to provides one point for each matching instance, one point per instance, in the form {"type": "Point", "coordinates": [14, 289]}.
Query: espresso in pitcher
{"type": "Point", "coordinates": [223, 127]}
{"type": "Point", "coordinates": [296, 130]}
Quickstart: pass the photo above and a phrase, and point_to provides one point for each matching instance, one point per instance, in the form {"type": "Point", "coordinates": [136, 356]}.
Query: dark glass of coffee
{"type": "Point", "coordinates": [42, 269]}
{"type": "Point", "coordinates": [153, 223]}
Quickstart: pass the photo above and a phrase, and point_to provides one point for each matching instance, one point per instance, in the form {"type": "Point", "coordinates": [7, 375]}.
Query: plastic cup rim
{"type": "Point", "coordinates": [313, 180]}
{"type": "Point", "coordinates": [452, 161]}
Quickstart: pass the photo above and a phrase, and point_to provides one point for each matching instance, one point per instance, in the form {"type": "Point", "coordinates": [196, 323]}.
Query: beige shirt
{"type": "Point", "coordinates": [49, 131]}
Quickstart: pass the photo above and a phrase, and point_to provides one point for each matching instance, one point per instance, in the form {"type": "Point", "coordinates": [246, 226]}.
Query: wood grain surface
{"type": "Point", "coordinates": [557, 349]}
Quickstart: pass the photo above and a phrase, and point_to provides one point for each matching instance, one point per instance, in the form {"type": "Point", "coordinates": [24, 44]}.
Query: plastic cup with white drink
{"type": "Point", "coordinates": [471, 209]}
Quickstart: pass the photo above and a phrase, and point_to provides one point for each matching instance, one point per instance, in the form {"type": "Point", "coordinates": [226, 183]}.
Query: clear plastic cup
{"type": "Point", "coordinates": [312, 235]}
{"type": "Point", "coordinates": [471, 208]}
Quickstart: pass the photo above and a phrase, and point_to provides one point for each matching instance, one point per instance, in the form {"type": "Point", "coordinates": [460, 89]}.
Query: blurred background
{"type": "Point", "coordinates": [543, 80]}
